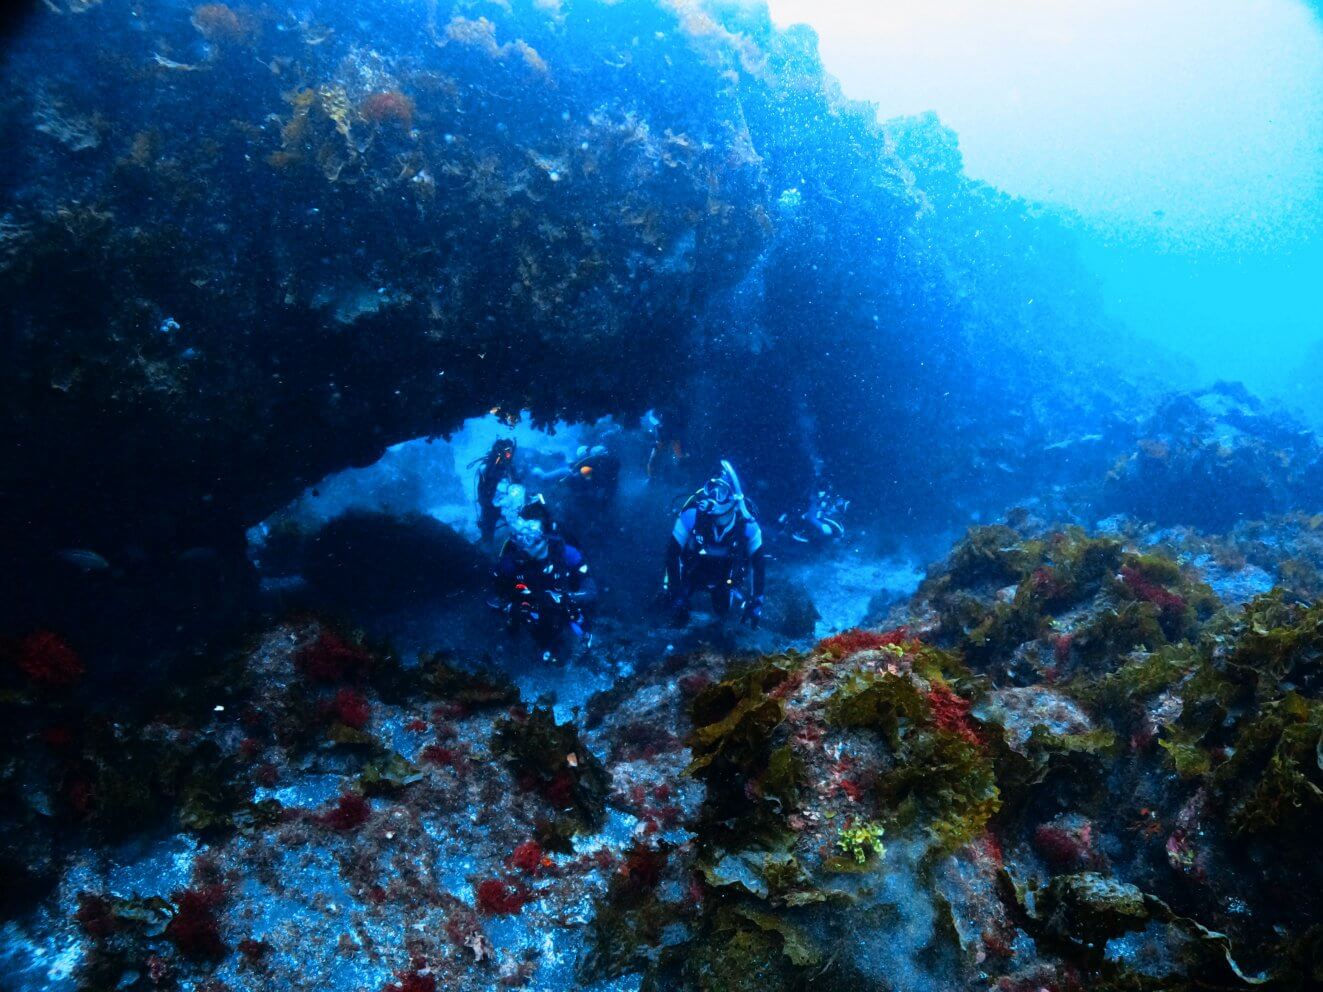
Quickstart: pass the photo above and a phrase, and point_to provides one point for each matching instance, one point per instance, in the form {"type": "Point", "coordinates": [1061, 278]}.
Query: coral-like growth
{"type": "Point", "coordinates": [221, 23]}
{"type": "Point", "coordinates": [495, 897]}
{"type": "Point", "coordinates": [331, 658]}
{"type": "Point", "coordinates": [388, 107]}
{"type": "Point", "coordinates": [48, 661]}
{"type": "Point", "coordinates": [851, 641]}
{"type": "Point", "coordinates": [951, 712]}
{"type": "Point", "coordinates": [529, 858]}
{"type": "Point", "coordinates": [350, 812]}
{"type": "Point", "coordinates": [351, 708]}
{"type": "Point", "coordinates": [411, 981]}
{"type": "Point", "coordinates": [195, 927]}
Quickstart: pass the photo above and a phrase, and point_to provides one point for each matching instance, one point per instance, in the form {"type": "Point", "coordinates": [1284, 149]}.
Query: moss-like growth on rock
{"type": "Point", "coordinates": [387, 773]}
{"type": "Point", "coordinates": [752, 780]}
{"type": "Point", "coordinates": [994, 554]}
{"type": "Point", "coordinates": [473, 690]}
{"type": "Point", "coordinates": [938, 779]}
{"type": "Point", "coordinates": [1274, 777]}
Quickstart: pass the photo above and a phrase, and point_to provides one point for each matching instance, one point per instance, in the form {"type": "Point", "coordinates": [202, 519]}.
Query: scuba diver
{"type": "Point", "coordinates": [494, 468]}
{"type": "Point", "coordinates": [717, 545]}
{"type": "Point", "coordinates": [543, 583]}
{"type": "Point", "coordinates": [668, 453]}
{"type": "Point", "coordinates": [595, 475]}
{"type": "Point", "coordinates": [589, 491]}
{"type": "Point", "coordinates": [820, 523]}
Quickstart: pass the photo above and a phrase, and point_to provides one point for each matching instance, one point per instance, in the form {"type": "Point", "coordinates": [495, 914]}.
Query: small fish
{"type": "Point", "coordinates": [83, 560]}
{"type": "Point", "coordinates": [166, 63]}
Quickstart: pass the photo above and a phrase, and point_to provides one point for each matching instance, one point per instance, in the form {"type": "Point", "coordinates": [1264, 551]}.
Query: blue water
{"type": "Point", "coordinates": [277, 280]}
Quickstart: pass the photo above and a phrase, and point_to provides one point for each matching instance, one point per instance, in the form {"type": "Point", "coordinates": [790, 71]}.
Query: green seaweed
{"type": "Point", "coordinates": [474, 690]}
{"type": "Point", "coordinates": [1114, 633]}
{"type": "Point", "coordinates": [1140, 677]}
{"type": "Point", "coordinates": [993, 554]}
{"type": "Point", "coordinates": [549, 757]}
{"type": "Point", "coordinates": [939, 780]}
{"type": "Point", "coordinates": [890, 704]}
{"type": "Point", "coordinates": [626, 933]}
{"type": "Point", "coordinates": [862, 842]}
{"type": "Point", "coordinates": [739, 948]}
{"type": "Point", "coordinates": [1274, 778]}
{"type": "Point", "coordinates": [1272, 640]}
{"type": "Point", "coordinates": [752, 783]}
{"type": "Point", "coordinates": [387, 774]}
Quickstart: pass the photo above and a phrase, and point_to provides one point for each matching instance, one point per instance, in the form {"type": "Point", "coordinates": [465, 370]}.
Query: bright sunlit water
{"type": "Point", "coordinates": [1188, 134]}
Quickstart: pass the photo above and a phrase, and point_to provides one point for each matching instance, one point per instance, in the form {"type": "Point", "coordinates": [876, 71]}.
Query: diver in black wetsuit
{"type": "Point", "coordinates": [668, 451]}
{"type": "Point", "coordinates": [496, 466]}
{"type": "Point", "coordinates": [717, 545]}
{"type": "Point", "coordinates": [543, 583]}
{"type": "Point", "coordinates": [820, 523]}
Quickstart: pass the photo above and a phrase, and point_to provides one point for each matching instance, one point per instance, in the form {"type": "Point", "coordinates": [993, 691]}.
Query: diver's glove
{"type": "Point", "coordinates": [753, 612]}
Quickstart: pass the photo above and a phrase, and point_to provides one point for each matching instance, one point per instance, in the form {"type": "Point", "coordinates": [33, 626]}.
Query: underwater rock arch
{"type": "Point", "coordinates": [250, 250]}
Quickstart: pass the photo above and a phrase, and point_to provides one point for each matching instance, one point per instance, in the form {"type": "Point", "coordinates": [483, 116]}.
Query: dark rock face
{"type": "Point", "coordinates": [241, 250]}
{"type": "Point", "coordinates": [1214, 458]}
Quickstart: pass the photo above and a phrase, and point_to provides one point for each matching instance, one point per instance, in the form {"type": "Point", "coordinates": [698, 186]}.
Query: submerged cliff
{"type": "Point", "coordinates": [247, 246]}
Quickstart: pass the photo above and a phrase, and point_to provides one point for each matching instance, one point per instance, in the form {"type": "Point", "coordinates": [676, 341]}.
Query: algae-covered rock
{"type": "Point", "coordinates": [472, 690]}
{"type": "Point", "coordinates": [1212, 457]}
{"type": "Point", "coordinates": [1274, 777]}
{"type": "Point", "coordinates": [388, 773]}
{"type": "Point", "coordinates": [549, 758]}
{"type": "Point", "coordinates": [752, 780]}
{"type": "Point", "coordinates": [1088, 908]}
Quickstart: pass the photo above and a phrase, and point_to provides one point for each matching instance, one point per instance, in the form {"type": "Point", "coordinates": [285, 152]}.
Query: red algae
{"type": "Point", "coordinates": [94, 916]}
{"type": "Point", "coordinates": [951, 713]}
{"type": "Point", "coordinates": [388, 106]}
{"type": "Point", "coordinates": [1067, 844]}
{"type": "Point", "coordinates": [351, 708]}
{"type": "Point", "coordinates": [218, 22]}
{"type": "Point", "coordinates": [494, 897]}
{"type": "Point", "coordinates": [331, 658]}
{"type": "Point", "coordinates": [195, 928]}
{"type": "Point", "coordinates": [411, 981]}
{"type": "Point", "coordinates": [253, 950]}
{"type": "Point", "coordinates": [1169, 604]}
{"type": "Point", "coordinates": [529, 858]}
{"type": "Point", "coordinates": [351, 811]}
{"type": "Point", "coordinates": [851, 641]}
{"type": "Point", "coordinates": [48, 661]}
{"type": "Point", "coordinates": [438, 754]}
{"type": "Point", "coordinates": [1061, 647]}
{"type": "Point", "coordinates": [642, 867]}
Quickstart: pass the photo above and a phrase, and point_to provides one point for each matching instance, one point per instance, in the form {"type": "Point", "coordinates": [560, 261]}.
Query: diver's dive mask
{"type": "Point", "coordinates": [529, 538]}
{"type": "Point", "coordinates": [717, 497]}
